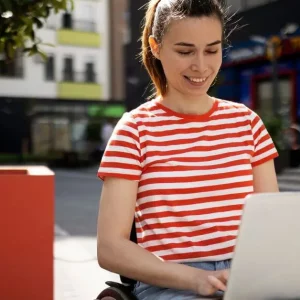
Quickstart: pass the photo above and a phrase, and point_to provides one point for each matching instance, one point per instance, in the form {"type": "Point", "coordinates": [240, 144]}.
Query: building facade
{"type": "Point", "coordinates": [48, 105]}
{"type": "Point", "coordinates": [138, 85]}
{"type": "Point", "coordinates": [251, 74]}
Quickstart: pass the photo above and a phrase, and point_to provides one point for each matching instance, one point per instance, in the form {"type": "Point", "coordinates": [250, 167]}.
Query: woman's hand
{"type": "Point", "coordinates": [212, 282]}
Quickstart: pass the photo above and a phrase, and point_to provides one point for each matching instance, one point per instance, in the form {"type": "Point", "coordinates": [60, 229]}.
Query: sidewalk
{"type": "Point", "coordinates": [77, 275]}
{"type": "Point", "coordinates": [289, 180]}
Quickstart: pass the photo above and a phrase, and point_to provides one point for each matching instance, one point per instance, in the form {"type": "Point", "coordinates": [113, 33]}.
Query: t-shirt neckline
{"type": "Point", "coordinates": [188, 116]}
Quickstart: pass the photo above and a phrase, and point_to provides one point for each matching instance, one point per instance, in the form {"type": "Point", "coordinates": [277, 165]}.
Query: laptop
{"type": "Point", "coordinates": [266, 262]}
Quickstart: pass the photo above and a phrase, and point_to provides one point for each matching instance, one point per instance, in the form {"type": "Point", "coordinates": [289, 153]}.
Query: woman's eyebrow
{"type": "Point", "coordinates": [192, 45]}
{"type": "Point", "coordinates": [184, 44]}
{"type": "Point", "coordinates": [214, 43]}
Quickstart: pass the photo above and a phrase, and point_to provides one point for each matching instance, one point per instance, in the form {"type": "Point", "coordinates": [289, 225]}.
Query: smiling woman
{"type": "Point", "coordinates": [191, 56]}
{"type": "Point", "coordinates": [182, 52]}
{"type": "Point", "coordinates": [181, 164]}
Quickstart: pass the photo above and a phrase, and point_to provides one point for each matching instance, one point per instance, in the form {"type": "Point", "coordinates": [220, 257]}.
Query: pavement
{"type": "Point", "coordinates": [77, 274]}
{"type": "Point", "coordinates": [76, 271]}
{"type": "Point", "coordinates": [289, 180]}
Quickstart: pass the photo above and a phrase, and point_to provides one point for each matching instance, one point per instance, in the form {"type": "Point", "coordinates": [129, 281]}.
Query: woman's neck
{"type": "Point", "coordinates": [187, 105]}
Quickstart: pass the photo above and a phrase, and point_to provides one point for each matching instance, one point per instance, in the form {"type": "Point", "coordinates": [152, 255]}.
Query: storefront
{"type": "Point", "coordinates": [248, 75]}
{"type": "Point", "coordinates": [50, 127]}
{"type": "Point", "coordinates": [69, 127]}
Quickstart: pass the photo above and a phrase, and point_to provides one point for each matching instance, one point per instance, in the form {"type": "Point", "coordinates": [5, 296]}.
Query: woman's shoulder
{"type": "Point", "coordinates": [143, 114]}
{"type": "Point", "coordinates": [224, 103]}
{"type": "Point", "coordinates": [136, 117]}
{"type": "Point", "coordinates": [144, 110]}
{"type": "Point", "coordinates": [235, 107]}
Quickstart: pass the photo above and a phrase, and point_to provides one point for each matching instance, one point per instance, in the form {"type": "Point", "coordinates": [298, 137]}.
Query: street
{"type": "Point", "coordinates": [289, 180]}
{"type": "Point", "coordinates": [77, 199]}
{"type": "Point", "coordinates": [77, 274]}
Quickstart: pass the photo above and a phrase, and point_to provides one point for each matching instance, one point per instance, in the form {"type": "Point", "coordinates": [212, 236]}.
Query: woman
{"type": "Point", "coordinates": [182, 163]}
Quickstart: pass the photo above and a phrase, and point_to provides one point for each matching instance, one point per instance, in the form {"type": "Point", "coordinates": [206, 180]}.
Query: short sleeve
{"type": "Point", "coordinates": [122, 156]}
{"type": "Point", "coordinates": [264, 148]}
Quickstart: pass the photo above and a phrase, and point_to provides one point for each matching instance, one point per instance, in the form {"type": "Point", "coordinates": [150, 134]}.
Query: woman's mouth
{"type": "Point", "coordinates": [196, 81]}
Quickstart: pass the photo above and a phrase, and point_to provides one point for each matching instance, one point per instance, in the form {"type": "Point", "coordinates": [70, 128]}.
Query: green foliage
{"type": "Point", "coordinates": [19, 20]}
{"type": "Point", "coordinates": [274, 126]}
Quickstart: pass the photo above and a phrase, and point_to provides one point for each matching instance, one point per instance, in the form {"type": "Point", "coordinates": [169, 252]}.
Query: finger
{"type": "Point", "coordinates": [226, 275]}
{"type": "Point", "coordinates": [217, 283]}
{"type": "Point", "coordinates": [223, 276]}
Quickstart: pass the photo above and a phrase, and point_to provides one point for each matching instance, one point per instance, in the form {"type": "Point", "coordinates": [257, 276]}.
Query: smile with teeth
{"type": "Point", "coordinates": [197, 79]}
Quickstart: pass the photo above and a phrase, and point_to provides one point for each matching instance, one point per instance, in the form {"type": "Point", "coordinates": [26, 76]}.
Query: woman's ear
{"type": "Point", "coordinates": [154, 46]}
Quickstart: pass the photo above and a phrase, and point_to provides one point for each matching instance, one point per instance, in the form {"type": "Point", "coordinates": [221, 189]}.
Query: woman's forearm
{"type": "Point", "coordinates": [130, 260]}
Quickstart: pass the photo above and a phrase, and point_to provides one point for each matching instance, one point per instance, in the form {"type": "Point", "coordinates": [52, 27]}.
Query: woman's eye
{"type": "Point", "coordinates": [184, 53]}
{"type": "Point", "coordinates": [212, 52]}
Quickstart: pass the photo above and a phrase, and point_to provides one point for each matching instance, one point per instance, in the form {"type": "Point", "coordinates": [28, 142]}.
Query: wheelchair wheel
{"type": "Point", "coordinates": [114, 293]}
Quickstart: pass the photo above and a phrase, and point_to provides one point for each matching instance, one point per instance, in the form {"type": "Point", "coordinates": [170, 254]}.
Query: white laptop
{"type": "Point", "coordinates": [266, 263]}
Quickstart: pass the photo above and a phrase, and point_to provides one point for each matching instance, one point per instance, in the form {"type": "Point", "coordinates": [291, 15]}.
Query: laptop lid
{"type": "Point", "coordinates": [266, 262]}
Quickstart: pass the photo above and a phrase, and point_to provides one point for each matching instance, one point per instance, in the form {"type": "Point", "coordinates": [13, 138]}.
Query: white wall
{"type": "Point", "coordinates": [86, 10]}
{"type": "Point", "coordinates": [47, 36]}
{"type": "Point", "coordinates": [104, 63]}
{"type": "Point", "coordinates": [32, 84]}
{"type": "Point", "coordinates": [22, 88]}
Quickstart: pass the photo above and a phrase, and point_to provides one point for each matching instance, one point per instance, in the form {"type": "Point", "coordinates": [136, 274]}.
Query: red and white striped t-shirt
{"type": "Point", "coordinates": [194, 172]}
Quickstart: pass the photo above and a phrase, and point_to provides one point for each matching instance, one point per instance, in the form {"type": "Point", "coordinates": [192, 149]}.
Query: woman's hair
{"type": "Point", "coordinates": [158, 17]}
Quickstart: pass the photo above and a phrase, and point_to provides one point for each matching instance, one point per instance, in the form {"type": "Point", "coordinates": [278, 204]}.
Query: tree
{"type": "Point", "coordinates": [19, 20]}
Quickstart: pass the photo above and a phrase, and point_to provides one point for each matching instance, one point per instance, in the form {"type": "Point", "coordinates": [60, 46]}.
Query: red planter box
{"type": "Point", "coordinates": [26, 233]}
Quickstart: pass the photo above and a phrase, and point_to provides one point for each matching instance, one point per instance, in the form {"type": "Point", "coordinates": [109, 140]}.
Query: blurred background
{"type": "Point", "coordinates": [68, 72]}
{"type": "Point", "coordinates": [56, 99]}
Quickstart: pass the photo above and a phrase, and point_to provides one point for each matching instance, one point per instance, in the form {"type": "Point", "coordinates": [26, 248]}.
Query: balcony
{"type": "Point", "coordinates": [79, 33]}
{"type": "Point", "coordinates": [79, 86]}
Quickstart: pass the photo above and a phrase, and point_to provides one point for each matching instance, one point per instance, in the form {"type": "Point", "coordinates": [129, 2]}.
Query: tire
{"type": "Point", "coordinates": [114, 293]}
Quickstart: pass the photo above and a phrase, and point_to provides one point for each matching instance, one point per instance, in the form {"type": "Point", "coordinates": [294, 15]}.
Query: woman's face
{"type": "Point", "coordinates": [191, 54]}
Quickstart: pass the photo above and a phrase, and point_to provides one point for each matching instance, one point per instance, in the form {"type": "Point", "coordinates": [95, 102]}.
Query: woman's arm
{"type": "Point", "coordinates": [118, 254]}
{"type": "Point", "coordinates": [264, 176]}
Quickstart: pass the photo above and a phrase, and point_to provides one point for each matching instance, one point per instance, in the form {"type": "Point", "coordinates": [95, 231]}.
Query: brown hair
{"type": "Point", "coordinates": [157, 19]}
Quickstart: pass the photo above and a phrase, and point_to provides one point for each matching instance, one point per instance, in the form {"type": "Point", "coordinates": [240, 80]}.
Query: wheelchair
{"type": "Point", "coordinates": [123, 290]}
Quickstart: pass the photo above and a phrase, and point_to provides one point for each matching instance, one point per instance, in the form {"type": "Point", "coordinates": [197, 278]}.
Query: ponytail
{"type": "Point", "coordinates": [152, 64]}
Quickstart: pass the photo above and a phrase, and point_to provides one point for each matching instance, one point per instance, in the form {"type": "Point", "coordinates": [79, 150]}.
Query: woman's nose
{"type": "Point", "coordinates": [199, 64]}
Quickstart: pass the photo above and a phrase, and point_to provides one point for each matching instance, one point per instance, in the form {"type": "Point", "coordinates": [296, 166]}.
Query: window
{"type": "Point", "coordinates": [11, 69]}
{"type": "Point", "coordinates": [68, 73]}
{"type": "Point", "coordinates": [265, 99]}
{"type": "Point", "coordinates": [67, 21]}
{"type": "Point", "coordinates": [3, 67]}
{"type": "Point", "coordinates": [89, 72]}
{"type": "Point", "coordinates": [49, 68]}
